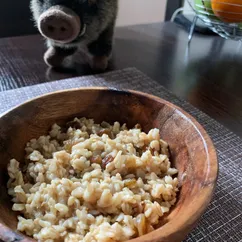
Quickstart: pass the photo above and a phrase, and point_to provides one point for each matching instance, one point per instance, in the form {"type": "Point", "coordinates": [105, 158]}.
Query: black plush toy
{"type": "Point", "coordinates": [72, 25]}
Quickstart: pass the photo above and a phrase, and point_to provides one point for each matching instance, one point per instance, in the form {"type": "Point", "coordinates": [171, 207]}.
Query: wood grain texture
{"type": "Point", "coordinates": [192, 151]}
{"type": "Point", "coordinates": [208, 75]}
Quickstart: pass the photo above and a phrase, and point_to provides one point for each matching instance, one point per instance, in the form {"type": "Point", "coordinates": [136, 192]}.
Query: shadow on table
{"type": "Point", "coordinates": [74, 66]}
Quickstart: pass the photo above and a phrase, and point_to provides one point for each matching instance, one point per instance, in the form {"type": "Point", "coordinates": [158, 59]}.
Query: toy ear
{"type": "Point", "coordinates": [91, 2]}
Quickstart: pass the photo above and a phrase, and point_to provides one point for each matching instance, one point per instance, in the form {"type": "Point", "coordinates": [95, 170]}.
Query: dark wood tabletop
{"type": "Point", "coordinates": [208, 74]}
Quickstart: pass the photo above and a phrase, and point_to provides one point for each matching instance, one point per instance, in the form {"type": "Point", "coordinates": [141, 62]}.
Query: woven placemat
{"type": "Point", "coordinates": [223, 219]}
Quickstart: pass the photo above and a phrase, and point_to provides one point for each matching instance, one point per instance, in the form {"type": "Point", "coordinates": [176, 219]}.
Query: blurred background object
{"type": "Point", "coordinates": [184, 15]}
{"type": "Point", "coordinates": [15, 17]}
{"type": "Point", "coordinates": [223, 17]}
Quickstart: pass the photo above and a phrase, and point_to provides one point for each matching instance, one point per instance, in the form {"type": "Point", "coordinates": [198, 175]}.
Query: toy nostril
{"type": "Point", "coordinates": [63, 29]}
{"type": "Point", "coordinates": [51, 28]}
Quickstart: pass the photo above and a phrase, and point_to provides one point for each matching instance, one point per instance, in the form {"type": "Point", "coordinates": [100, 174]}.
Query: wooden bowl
{"type": "Point", "coordinates": [192, 151]}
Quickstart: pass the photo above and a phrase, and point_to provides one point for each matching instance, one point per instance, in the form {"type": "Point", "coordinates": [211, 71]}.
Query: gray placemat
{"type": "Point", "coordinates": [223, 219]}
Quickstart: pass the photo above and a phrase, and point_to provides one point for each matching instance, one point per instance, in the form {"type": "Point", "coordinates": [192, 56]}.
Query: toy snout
{"type": "Point", "coordinates": [60, 24]}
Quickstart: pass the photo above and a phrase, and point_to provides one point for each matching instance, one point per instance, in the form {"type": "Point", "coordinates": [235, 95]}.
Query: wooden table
{"type": "Point", "coordinates": [208, 74]}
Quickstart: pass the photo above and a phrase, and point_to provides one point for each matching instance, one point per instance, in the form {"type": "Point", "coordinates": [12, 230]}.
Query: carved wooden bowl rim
{"type": "Point", "coordinates": [175, 226]}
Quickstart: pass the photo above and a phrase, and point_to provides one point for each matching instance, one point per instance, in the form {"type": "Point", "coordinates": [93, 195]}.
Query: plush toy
{"type": "Point", "coordinates": [72, 25]}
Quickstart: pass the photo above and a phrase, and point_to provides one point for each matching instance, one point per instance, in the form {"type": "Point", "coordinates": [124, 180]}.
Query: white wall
{"type": "Point", "coordinates": [141, 11]}
{"type": "Point", "coordinates": [187, 9]}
